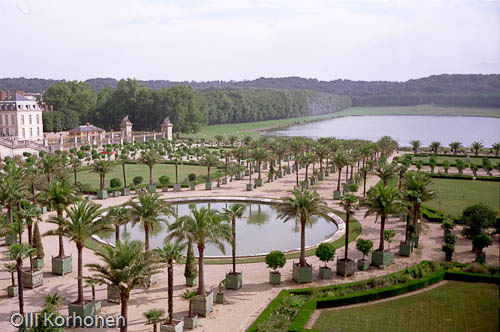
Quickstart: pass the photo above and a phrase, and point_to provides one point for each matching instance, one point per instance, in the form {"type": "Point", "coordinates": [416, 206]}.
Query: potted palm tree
{"type": "Point", "coordinates": [58, 195]}
{"type": "Point", "coordinates": [339, 160]}
{"type": "Point", "coordinates": [81, 223]}
{"type": "Point", "coordinates": [177, 157]}
{"type": "Point", "coordinates": [219, 298]}
{"type": "Point", "coordinates": [150, 158]}
{"type": "Point", "coordinates": [32, 277]}
{"type": "Point", "coordinates": [275, 260]}
{"type": "Point", "coordinates": [12, 290]}
{"type": "Point", "coordinates": [210, 160]}
{"type": "Point", "coordinates": [102, 167]}
{"type": "Point", "coordinates": [204, 226]}
{"type": "Point", "coordinates": [325, 252]}
{"type": "Point", "coordinates": [123, 159]}
{"type": "Point", "coordinates": [18, 252]}
{"type": "Point", "coordinates": [259, 155]}
{"type": "Point", "coordinates": [170, 254]}
{"type": "Point", "coordinates": [302, 205]}
{"type": "Point", "coordinates": [154, 316]}
{"type": "Point", "coordinates": [480, 242]}
{"type": "Point", "coordinates": [382, 201]}
{"type": "Point", "coordinates": [234, 280]}
{"type": "Point", "coordinates": [92, 283]}
{"type": "Point", "coordinates": [365, 247]}
{"type": "Point", "coordinates": [191, 321]}
{"type": "Point", "coordinates": [347, 266]}
{"type": "Point", "coordinates": [126, 267]}
{"type": "Point", "coordinates": [192, 181]}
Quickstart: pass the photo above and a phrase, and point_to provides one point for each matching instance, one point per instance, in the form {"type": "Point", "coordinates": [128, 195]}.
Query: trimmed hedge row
{"type": "Point", "coordinates": [488, 178]}
{"type": "Point", "coordinates": [432, 215]}
{"type": "Point", "coordinates": [451, 176]}
{"type": "Point", "coordinates": [267, 312]}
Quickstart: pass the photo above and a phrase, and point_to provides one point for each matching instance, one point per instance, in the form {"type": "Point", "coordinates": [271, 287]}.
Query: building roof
{"type": "Point", "coordinates": [19, 97]}
{"type": "Point", "coordinates": [86, 128]}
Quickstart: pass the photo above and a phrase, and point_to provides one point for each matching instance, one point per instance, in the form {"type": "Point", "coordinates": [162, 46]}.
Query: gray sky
{"type": "Point", "coordinates": [235, 40]}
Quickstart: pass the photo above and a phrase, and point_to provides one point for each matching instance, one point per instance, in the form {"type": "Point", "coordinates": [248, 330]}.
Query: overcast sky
{"type": "Point", "coordinates": [205, 40]}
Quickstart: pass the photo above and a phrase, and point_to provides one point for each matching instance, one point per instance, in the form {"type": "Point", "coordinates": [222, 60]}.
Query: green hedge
{"type": "Point", "coordinates": [265, 314]}
{"type": "Point", "coordinates": [432, 215]}
{"type": "Point", "coordinates": [451, 176]}
{"type": "Point", "coordinates": [488, 178]}
{"type": "Point", "coordinates": [472, 277]}
{"type": "Point", "coordinates": [303, 317]}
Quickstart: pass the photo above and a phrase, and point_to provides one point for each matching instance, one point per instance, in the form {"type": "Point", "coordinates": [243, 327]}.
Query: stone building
{"type": "Point", "coordinates": [20, 117]}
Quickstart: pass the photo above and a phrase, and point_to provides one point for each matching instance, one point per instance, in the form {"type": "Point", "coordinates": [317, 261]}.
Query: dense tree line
{"type": "Point", "coordinates": [63, 119]}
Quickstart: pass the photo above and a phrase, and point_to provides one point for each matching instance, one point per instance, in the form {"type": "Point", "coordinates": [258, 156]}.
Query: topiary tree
{"type": "Point", "coordinates": [446, 166]}
{"type": "Point", "coordinates": [325, 252]}
{"type": "Point", "coordinates": [364, 246]}
{"type": "Point", "coordinates": [115, 183]}
{"type": "Point", "coordinates": [389, 236]}
{"type": "Point", "coordinates": [275, 259]}
{"type": "Point", "coordinates": [480, 242]}
{"type": "Point", "coordinates": [476, 219]}
{"type": "Point", "coordinates": [137, 180]}
{"type": "Point", "coordinates": [37, 242]}
{"type": "Point", "coordinates": [164, 180]}
{"type": "Point", "coordinates": [192, 177]}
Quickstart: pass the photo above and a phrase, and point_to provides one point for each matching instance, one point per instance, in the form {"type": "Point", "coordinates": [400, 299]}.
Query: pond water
{"type": "Point", "coordinates": [402, 128]}
{"type": "Point", "coordinates": [258, 233]}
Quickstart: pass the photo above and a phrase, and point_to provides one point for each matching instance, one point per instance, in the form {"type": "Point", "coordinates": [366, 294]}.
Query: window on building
{"type": "Point", "coordinates": [12, 119]}
{"type": "Point", "coordinates": [31, 132]}
{"type": "Point", "coordinates": [1, 120]}
{"type": "Point", "coordinates": [23, 134]}
{"type": "Point", "coordinates": [27, 107]}
{"type": "Point", "coordinates": [30, 119]}
{"type": "Point", "coordinates": [22, 119]}
{"type": "Point", "coordinates": [38, 131]}
{"type": "Point", "coordinates": [38, 119]}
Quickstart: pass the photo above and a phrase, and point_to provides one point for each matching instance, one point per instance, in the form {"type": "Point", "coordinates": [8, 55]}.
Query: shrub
{"type": "Point", "coordinates": [115, 183]}
{"type": "Point", "coordinates": [164, 180]}
{"type": "Point", "coordinates": [481, 241]}
{"type": "Point", "coordinates": [364, 246]}
{"type": "Point", "coordinates": [275, 259]}
{"type": "Point", "coordinates": [192, 177]}
{"type": "Point", "coordinates": [137, 180]}
{"type": "Point", "coordinates": [447, 225]}
{"type": "Point", "coordinates": [476, 219]}
{"type": "Point", "coordinates": [389, 236]}
{"type": "Point", "coordinates": [353, 187]}
{"type": "Point", "coordinates": [325, 252]}
{"type": "Point", "coordinates": [475, 268]}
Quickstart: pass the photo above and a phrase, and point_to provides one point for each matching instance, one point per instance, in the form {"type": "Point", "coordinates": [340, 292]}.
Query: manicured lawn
{"type": "Point", "coordinates": [454, 306]}
{"type": "Point", "coordinates": [141, 170]}
{"type": "Point", "coordinates": [456, 195]}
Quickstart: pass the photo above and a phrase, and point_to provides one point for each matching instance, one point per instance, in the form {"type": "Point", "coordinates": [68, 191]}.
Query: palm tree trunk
{"type": "Point", "coordinates": [346, 173]}
{"type": "Point", "coordinates": [79, 247]}
{"type": "Point", "coordinates": [117, 233]}
{"type": "Point", "coordinates": [234, 244]}
{"type": "Point", "coordinates": [208, 174]}
{"type": "Point", "coordinates": [176, 174]}
{"type": "Point", "coordinates": [364, 183]}
{"type": "Point", "coordinates": [297, 169]}
{"type": "Point", "coordinates": [61, 243]}
{"type": "Point", "coordinates": [124, 313]}
{"type": "Point", "coordinates": [303, 241]}
{"type": "Point", "coordinates": [416, 209]}
{"type": "Point", "coordinates": [307, 171]}
{"type": "Point", "coordinates": [33, 193]}
{"type": "Point", "coordinates": [124, 176]}
{"type": "Point", "coordinates": [347, 218]}
{"type": "Point", "coordinates": [30, 238]}
{"type": "Point", "coordinates": [201, 281]}
{"type": "Point", "coordinates": [382, 228]}
{"type": "Point", "coordinates": [19, 268]}
{"type": "Point", "coordinates": [74, 174]}
{"type": "Point", "coordinates": [150, 175]}
{"type": "Point", "coordinates": [146, 235]}
{"type": "Point", "coordinates": [338, 183]}
{"type": "Point", "coordinates": [170, 290]}
{"type": "Point", "coordinates": [9, 210]}
{"type": "Point", "coordinates": [259, 167]}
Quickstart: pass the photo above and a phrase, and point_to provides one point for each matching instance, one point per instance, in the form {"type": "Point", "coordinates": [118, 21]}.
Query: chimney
{"type": "Point", "coordinates": [8, 94]}
{"type": "Point", "coordinates": [46, 107]}
{"type": "Point", "coordinates": [52, 108]}
{"type": "Point", "coordinates": [3, 95]}
{"type": "Point", "coordinates": [20, 92]}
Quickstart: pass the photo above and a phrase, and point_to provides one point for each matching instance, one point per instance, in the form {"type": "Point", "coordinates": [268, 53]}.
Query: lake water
{"type": "Point", "coordinates": [402, 128]}
{"type": "Point", "coordinates": [259, 232]}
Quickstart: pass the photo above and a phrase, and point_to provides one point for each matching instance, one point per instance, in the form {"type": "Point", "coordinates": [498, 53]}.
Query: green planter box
{"type": "Point", "coordinates": [382, 258]}
{"type": "Point", "coordinates": [102, 194]}
{"type": "Point", "coordinates": [234, 281]}
{"type": "Point", "coordinates": [337, 194]}
{"type": "Point", "coordinates": [151, 281]}
{"type": "Point", "coordinates": [177, 187]}
{"type": "Point", "coordinates": [9, 239]}
{"type": "Point", "coordinates": [12, 291]}
{"type": "Point", "coordinates": [164, 189]}
{"type": "Point", "coordinates": [38, 263]}
{"type": "Point", "coordinates": [192, 186]}
{"type": "Point", "coordinates": [81, 310]}
{"type": "Point", "coordinates": [302, 274]}
{"type": "Point", "coordinates": [321, 176]}
{"type": "Point", "coordinates": [258, 182]}
{"type": "Point", "coordinates": [88, 198]}
{"type": "Point", "coordinates": [247, 172]}
{"type": "Point", "coordinates": [113, 294]}
{"type": "Point", "coordinates": [203, 305]}
{"type": "Point", "coordinates": [43, 209]}
{"type": "Point", "coordinates": [151, 188]}
{"type": "Point", "coordinates": [191, 323]}
{"type": "Point", "coordinates": [325, 272]}
{"type": "Point", "coordinates": [274, 278]}
{"type": "Point", "coordinates": [32, 279]}
{"type": "Point", "coordinates": [223, 181]}
{"type": "Point", "coordinates": [63, 265]}
{"type": "Point", "coordinates": [288, 171]}
{"type": "Point", "coordinates": [126, 191]}
{"type": "Point", "coordinates": [97, 306]}
{"type": "Point", "coordinates": [219, 298]}
{"type": "Point", "coordinates": [279, 174]}
{"type": "Point", "coordinates": [177, 326]}
{"type": "Point", "coordinates": [405, 249]}
{"type": "Point", "coordinates": [209, 185]}
{"type": "Point", "coordinates": [414, 240]}
{"type": "Point", "coordinates": [346, 268]}
{"type": "Point", "coordinates": [249, 187]}
{"type": "Point", "coordinates": [116, 193]}
{"type": "Point", "coordinates": [363, 264]}
{"type": "Point", "coordinates": [191, 282]}
{"type": "Point", "coordinates": [481, 258]}
{"type": "Point", "coordinates": [332, 169]}
{"type": "Point", "coordinates": [327, 173]}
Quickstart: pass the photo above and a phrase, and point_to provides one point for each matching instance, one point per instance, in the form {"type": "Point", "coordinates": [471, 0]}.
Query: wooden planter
{"type": "Point", "coordinates": [113, 294]}
{"type": "Point", "coordinates": [116, 193]}
{"type": "Point", "coordinates": [97, 306]}
{"type": "Point", "coordinates": [258, 182]}
{"type": "Point", "coordinates": [321, 176]}
{"type": "Point", "coordinates": [247, 172]}
{"type": "Point", "coordinates": [62, 265]}
{"type": "Point", "coordinates": [12, 291]}
{"type": "Point", "coordinates": [126, 191]}
{"type": "Point", "coordinates": [234, 281]}
{"type": "Point", "coordinates": [9, 239]}
{"type": "Point", "coordinates": [325, 272]}
{"type": "Point", "coordinates": [337, 194]}
{"type": "Point", "coordinates": [191, 282]}
{"type": "Point", "coordinates": [192, 186]}
{"type": "Point", "coordinates": [81, 310]}
{"type": "Point", "coordinates": [191, 323]}
{"type": "Point", "coordinates": [32, 279]}
{"type": "Point", "coordinates": [177, 187]}
{"type": "Point", "coordinates": [414, 240]}
{"type": "Point", "coordinates": [209, 185]}
{"type": "Point", "coordinates": [219, 298]}
{"type": "Point", "coordinates": [382, 258]}
{"type": "Point", "coordinates": [164, 189]}
{"type": "Point", "coordinates": [151, 188]}
{"type": "Point", "coordinates": [177, 326]}
{"type": "Point", "coordinates": [274, 278]}
{"type": "Point", "coordinates": [302, 274]}
{"type": "Point", "coordinates": [363, 264]}
{"type": "Point", "coordinates": [151, 280]}
{"type": "Point", "coordinates": [249, 187]}
{"type": "Point", "coordinates": [203, 305]}
{"type": "Point", "coordinates": [346, 267]}
{"type": "Point", "coordinates": [405, 249]}
{"type": "Point", "coordinates": [102, 194]}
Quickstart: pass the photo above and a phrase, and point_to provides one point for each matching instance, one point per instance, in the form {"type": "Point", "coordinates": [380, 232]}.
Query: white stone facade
{"type": "Point", "coordinates": [21, 119]}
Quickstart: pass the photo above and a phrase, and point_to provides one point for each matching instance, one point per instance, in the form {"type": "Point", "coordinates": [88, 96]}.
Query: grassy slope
{"type": "Point", "coordinates": [250, 128]}
{"type": "Point", "coordinates": [455, 195]}
{"type": "Point", "coordinates": [454, 306]}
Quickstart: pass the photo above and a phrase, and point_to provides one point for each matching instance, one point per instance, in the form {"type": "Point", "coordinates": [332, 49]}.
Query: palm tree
{"type": "Point", "coordinates": [205, 227]}
{"type": "Point", "coordinates": [435, 146]}
{"type": "Point", "coordinates": [296, 147]}
{"type": "Point", "coordinates": [170, 254]}
{"type": "Point", "coordinates": [123, 159]}
{"type": "Point", "coordinates": [82, 222]}
{"type": "Point", "coordinates": [307, 158]}
{"type": "Point", "coordinates": [150, 157]}
{"type": "Point", "coordinates": [75, 163]}
{"type": "Point", "coordinates": [31, 214]}
{"type": "Point", "coordinates": [232, 213]}
{"type": "Point", "coordinates": [279, 148]}
{"type": "Point", "coordinates": [210, 160]}
{"type": "Point", "coordinates": [259, 155]}
{"type": "Point", "coordinates": [350, 204]}
{"type": "Point", "coordinates": [126, 266]}
{"type": "Point", "coordinates": [147, 211]}
{"type": "Point", "coordinates": [339, 160]}
{"type": "Point", "coordinates": [416, 188]}
{"type": "Point", "coordinates": [102, 167]}
{"type": "Point", "coordinates": [12, 190]}
{"type": "Point", "coordinates": [239, 153]}
{"type": "Point", "coordinates": [118, 216]}
{"type": "Point", "coordinates": [154, 316]}
{"type": "Point", "coordinates": [476, 146]}
{"type": "Point", "coordinates": [454, 146]}
{"type": "Point", "coordinates": [415, 144]}
{"type": "Point", "coordinates": [385, 172]}
{"type": "Point", "coordinates": [382, 201]}
{"type": "Point", "coordinates": [219, 139]}
{"type": "Point", "coordinates": [496, 147]}
{"type": "Point", "coordinates": [58, 195]}
{"type": "Point", "coordinates": [181, 234]}
{"type": "Point", "coordinates": [18, 252]}
{"type": "Point", "coordinates": [177, 156]}
{"type": "Point", "coordinates": [303, 204]}
{"type": "Point", "coordinates": [232, 139]}
{"type": "Point", "coordinates": [49, 165]}
{"type": "Point", "coordinates": [32, 178]}
{"type": "Point", "coordinates": [321, 152]}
